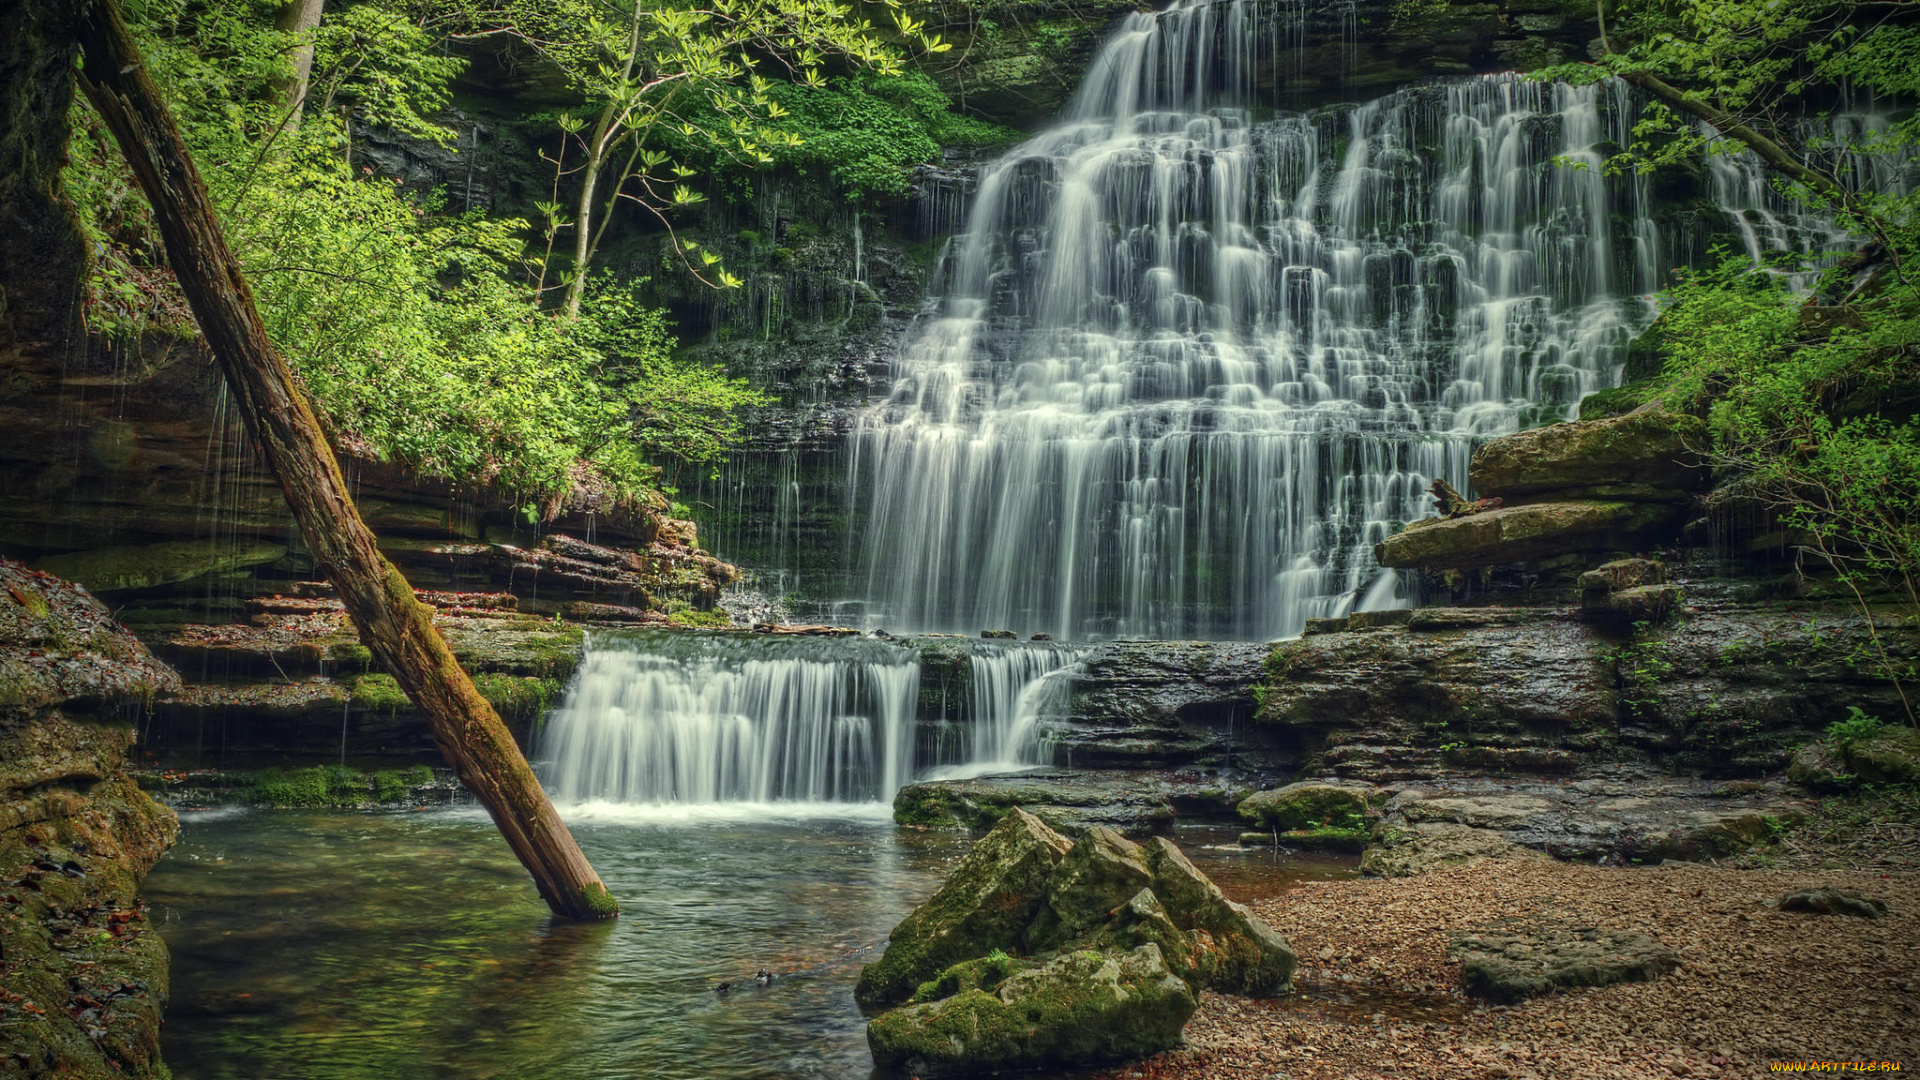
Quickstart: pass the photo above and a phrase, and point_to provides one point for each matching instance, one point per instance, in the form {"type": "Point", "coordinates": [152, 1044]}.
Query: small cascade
{"type": "Point", "coordinates": [681, 718]}
{"type": "Point", "coordinates": [1189, 360]}
{"type": "Point", "coordinates": [675, 718]}
{"type": "Point", "coordinates": [1014, 689]}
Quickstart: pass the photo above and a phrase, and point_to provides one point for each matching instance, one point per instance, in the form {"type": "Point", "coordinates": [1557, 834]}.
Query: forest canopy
{"type": "Point", "coordinates": [435, 334]}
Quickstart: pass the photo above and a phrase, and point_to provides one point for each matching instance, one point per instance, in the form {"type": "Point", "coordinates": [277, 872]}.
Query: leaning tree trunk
{"type": "Point", "coordinates": [391, 620]}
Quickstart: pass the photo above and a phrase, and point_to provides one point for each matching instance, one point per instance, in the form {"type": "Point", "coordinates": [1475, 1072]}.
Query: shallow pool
{"type": "Point", "coordinates": [316, 946]}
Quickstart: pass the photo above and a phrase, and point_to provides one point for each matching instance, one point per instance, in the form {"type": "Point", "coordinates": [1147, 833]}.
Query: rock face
{"type": "Point", "coordinates": [84, 973]}
{"type": "Point", "coordinates": [1512, 964]}
{"type": "Point", "coordinates": [1727, 689]}
{"type": "Point", "coordinates": [1070, 802]}
{"type": "Point", "coordinates": [1037, 952]}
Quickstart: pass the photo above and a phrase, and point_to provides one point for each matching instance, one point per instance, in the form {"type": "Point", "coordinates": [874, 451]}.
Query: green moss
{"type": "Point", "coordinates": [351, 656]}
{"type": "Point", "coordinates": [600, 901]}
{"type": "Point", "coordinates": [983, 973]}
{"type": "Point", "coordinates": [389, 785]}
{"type": "Point", "coordinates": [418, 775]}
{"type": "Point", "coordinates": [518, 698]}
{"type": "Point", "coordinates": [682, 613]}
{"type": "Point", "coordinates": [379, 693]}
{"type": "Point", "coordinates": [318, 786]}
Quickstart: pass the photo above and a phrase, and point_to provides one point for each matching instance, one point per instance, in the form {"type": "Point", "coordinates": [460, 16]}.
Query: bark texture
{"type": "Point", "coordinates": [392, 622]}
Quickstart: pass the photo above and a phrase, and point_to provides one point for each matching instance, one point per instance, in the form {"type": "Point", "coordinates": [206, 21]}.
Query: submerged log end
{"type": "Point", "coordinates": [594, 902]}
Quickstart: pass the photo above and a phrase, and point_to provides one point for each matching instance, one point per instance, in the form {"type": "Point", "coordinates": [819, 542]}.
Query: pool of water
{"type": "Point", "coordinates": [326, 946]}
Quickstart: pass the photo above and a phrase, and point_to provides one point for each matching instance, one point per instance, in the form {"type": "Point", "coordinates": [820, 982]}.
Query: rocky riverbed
{"type": "Point", "coordinates": [1378, 997]}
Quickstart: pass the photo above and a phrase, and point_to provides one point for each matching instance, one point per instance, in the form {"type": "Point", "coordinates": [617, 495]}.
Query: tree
{"type": "Point", "coordinates": [298, 19]}
{"type": "Point", "coordinates": [391, 620]}
{"type": "Point", "coordinates": [694, 70]}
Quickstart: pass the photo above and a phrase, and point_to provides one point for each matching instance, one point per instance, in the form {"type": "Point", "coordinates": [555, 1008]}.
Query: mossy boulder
{"type": "Point", "coordinates": [1098, 875]}
{"type": "Point", "coordinates": [987, 903]}
{"type": "Point", "coordinates": [1307, 805]}
{"type": "Point", "coordinates": [1082, 1007]}
{"type": "Point", "coordinates": [1234, 951]}
{"type": "Point", "coordinates": [1534, 531]}
{"type": "Point", "coordinates": [1647, 455]}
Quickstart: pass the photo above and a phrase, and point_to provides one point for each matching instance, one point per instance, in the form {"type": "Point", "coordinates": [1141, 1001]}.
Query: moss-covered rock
{"type": "Point", "coordinates": [1234, 951]}
{"type": "Point", "coordinates": [1307, 805]}
{"type": "Point", "coordinates": [1510, 964]}
{"type": "Point", "coordinates": [1645, 455]}
{"type": "Point", "coordinates": [119, 569]}
{"type": "Point", "coordinates": [987, 903]}
{"type": "Point", "coordinates": [1533, 531]}
{"type": "Point", "coordinates": [1097, 876]}
{"type": "Point", "coordinates": [1083, 1007]}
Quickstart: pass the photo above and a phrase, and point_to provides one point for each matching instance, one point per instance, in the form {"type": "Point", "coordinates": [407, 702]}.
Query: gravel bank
{"type": "Point", "coordinates": [1379, 999]}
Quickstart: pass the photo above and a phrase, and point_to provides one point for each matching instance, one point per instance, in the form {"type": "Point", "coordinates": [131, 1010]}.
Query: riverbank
{"type": "Point", "coordinates": [1378, 997]}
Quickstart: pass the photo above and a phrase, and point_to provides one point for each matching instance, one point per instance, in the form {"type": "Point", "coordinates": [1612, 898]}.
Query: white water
{"type": "Point", "coordinates": [1185, 366]}
{"type": "Point", "coordinates": [682, 723]}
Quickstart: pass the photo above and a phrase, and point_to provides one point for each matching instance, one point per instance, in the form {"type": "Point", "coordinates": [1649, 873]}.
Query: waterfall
{"type": "Point", "coordinates": [683, 718]}
{"type": "Point", "coordinates": [678, 718]}
{"type": "Point", "coordinates": [1188, 361]}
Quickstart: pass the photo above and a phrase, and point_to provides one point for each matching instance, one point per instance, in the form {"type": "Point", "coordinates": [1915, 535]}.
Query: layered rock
{"type": "Point", "coordinates": [1589, 486]}
{"type": "Point", "coordinates": [83, 975]}
{"type": "Point", "coordinates": [1036, 953]}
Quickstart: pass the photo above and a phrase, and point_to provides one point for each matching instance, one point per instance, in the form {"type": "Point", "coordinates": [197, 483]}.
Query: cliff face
{"type": "Point", "coordinates": [83, 975]}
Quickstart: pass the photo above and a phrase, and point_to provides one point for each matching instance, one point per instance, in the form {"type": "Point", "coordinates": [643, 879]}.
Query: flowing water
{"type": "Point", "coordinates": [663, 717]}
{"type": "Point", "coordinates": [312, 946]}
{"type": "Point", "coordinates": [1188, 362]}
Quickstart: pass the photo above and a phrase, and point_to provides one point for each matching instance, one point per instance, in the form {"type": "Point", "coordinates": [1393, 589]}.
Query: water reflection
{"type": "Point", "coordinates": [350, 947]}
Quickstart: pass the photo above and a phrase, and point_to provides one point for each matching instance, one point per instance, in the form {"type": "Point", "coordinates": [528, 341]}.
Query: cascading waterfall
{"type": "Point", "coordinates": [1185, 366]}
{"type": "Point", "coordinates": [669, 718]}
{"type": "Point", "coordinates": [1012, 691]}
{"type": "Point", "coordinates": [694, 719]}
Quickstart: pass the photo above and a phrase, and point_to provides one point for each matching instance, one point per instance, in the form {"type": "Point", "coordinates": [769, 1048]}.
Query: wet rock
{"type": "Point", "coordinates": [1506, 965]}
{"type": "Point", "coordinates": [987, 903]}
{"type": "Point", "coordinates": [1068, 801]}
{"type": "Point", "coordinates": [1420, 849]}
{"type": "Point", "coordinates": [1640, 604]}
{"type": "Point", "coordinates": [1514, 534]}
{"type": "Point", "coordinates": [1082, 1007]}
{"type": "Point", "coordinates": [1645, 456]}
{"type": "Point", "coordinates": [1306, 805]}
{"type": "Point", "coordinates": [1828, 900]}
{"type": "Point", "coordinates": [1160, 704]}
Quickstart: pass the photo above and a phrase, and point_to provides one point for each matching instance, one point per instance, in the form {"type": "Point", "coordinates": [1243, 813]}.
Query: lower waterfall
{"type": "Point", "coordinates": [677, 718]}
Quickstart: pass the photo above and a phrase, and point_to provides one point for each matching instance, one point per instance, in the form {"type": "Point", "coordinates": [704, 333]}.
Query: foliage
{"type": "Point", "coordinates": [417, 331]}
{"type": "Point", "coordinates": [699, 71]}
{"type": "Point", "coordinates": [868, 131]}
{"type": "Point", "coordinates": [1858, 727]}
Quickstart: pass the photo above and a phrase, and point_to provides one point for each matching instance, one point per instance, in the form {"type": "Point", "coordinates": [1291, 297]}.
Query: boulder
{"type": "Point", "coordinates": [1082, 1007]}
{"type": "Point", "coordinates": [1623, 574]}
{"type": "Point", "coordinates": [1642, 603]}
{"type": "Point", "coordinates": [1098, 876]}
{"type": "Point", "coordinates": [987, 903]}
{"type": "Point", "coordinates": [1828, 900]}
{"type": "Point", "coordinates": [1235, 952]}
{"type": "Point", "coordinates": [1648, 455]}
{"type": "Point", "coordinates": [1507, 965]}
{"type": "Point", "coordinates": [1532, 531]}
{"type": "Point", "coordinates": [1307, 805]}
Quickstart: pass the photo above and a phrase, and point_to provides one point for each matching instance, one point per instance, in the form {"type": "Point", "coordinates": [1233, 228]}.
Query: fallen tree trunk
{"type": "Point", "coordinates": [392, 622]}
